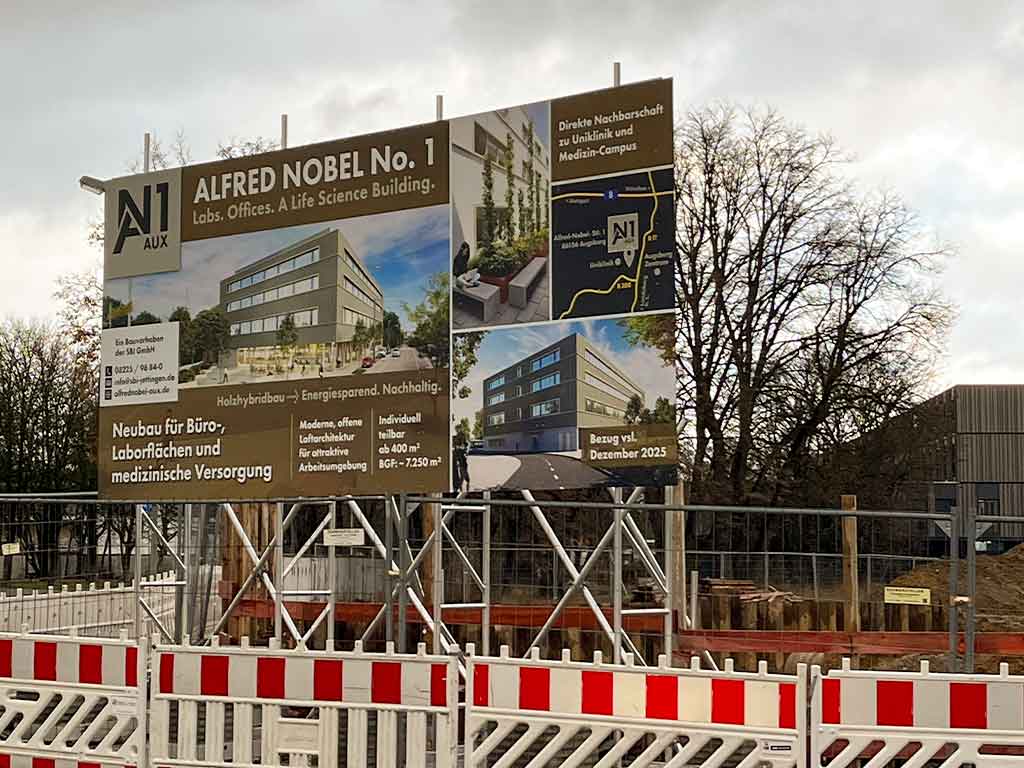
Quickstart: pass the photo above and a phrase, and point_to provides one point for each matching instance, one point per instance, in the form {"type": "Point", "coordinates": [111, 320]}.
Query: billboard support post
{"type": "Point", "coordinates": [389, 576]}
{"type": "Point", "coordinates": [617, 577]}
{"type": "Point", "coordinates": [284, 130]}
{"type": "Point", "coordinates": [182, 626]}
{"type": "Point", "coordinates": [403, 571]}
{"type": "Point", "coordinates": [332, 577]}
{"type": "Point", "coordinates": [147, 142]}
{"type": "Point", "coordinates": [439, 106]}
{"type": "Point", "coordinates": [617, 74]}
{"type": "Point", "coordinates": [668, 519]}
{"type": "Point", "coordinates": [437, 591]}
{"type": "Point", "coordinates": [138, 569]}
{"type": "Point", "coordinates": [278, 567]}
{"type": "Point", "coordinates": [485, 567]}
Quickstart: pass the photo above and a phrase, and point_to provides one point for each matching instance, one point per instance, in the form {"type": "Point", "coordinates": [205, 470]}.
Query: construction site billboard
{"type": "Point", "coordinates": [319, 320]}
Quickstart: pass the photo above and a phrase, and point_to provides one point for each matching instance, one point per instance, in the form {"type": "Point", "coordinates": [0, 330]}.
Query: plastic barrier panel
{"type": "Point", "coordinates": [567, 713]}
{"type": "Point", "coordinates": [272, 707]}
{"type": "Point", "coordinates": [70, 701]}
{"type": "Point", "coordinates": [916, 717]}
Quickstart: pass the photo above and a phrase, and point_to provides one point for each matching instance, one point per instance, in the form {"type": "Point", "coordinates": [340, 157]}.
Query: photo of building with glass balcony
{"type": "Point", "coordinates": [321, 284]}
{"type": "Point", "coordinates": [540, 402]}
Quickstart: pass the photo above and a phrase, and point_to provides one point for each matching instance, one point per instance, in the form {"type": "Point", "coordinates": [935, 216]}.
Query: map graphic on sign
{"type": "Point", "coordinates": [611, 245]}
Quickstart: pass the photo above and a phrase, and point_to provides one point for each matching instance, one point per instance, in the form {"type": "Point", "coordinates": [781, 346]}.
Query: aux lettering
{"type": "Point", "coordinates": [131, 222]}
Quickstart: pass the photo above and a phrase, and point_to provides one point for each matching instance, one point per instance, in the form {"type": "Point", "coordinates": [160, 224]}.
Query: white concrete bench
{"type": "Point", "coordinates": [485, 295]}
{"type": "Point", "coordinates": [522, 284]}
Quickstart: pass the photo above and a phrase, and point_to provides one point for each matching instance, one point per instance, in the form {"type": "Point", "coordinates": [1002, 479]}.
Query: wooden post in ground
{"type": "Point", "coordinates": [427, 567]}
{"type": "Point", "coordinates": [677, 525]}
{"type": "Point", "coordinates": [851, 582]}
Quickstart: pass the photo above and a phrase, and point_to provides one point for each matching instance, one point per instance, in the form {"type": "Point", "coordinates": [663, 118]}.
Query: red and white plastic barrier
{"type": "Point", "coordinates": [72, 702]}
{"type": "Point", "coordinates": [203, 681]}
{"type": "Point", "coordinates": [915, 715]}
{"type": "Point", "coordinates": [680, 709]}
{"type": "Point", "coordinates": [67, 701]}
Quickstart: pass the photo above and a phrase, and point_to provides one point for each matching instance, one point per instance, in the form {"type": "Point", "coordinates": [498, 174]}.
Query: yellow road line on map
{"type": "Point", "coordinates": [643, 247]}
{"type": "Point", "coordinates": [577, 194]}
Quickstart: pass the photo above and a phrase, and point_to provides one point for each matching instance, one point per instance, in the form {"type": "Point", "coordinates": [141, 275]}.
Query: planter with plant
{"type": "Point", "coordinates": [499, 264]}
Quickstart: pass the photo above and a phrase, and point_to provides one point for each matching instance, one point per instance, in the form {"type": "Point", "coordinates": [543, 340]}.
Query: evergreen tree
{"type": "Point", "coordinates": [212, 330]}
{"type": "Point", "coordinates": [186, 335]}
{"type": "Point", "coordinates": [287, 336]}
{"type": "Point", "coordinates": [634, 410]}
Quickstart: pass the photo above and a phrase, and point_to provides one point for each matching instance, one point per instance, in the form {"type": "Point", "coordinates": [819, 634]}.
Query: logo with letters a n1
{"type": "Point", "coordinates": [142, 225]}
{"type": "Point", "coordinates": [138, 221]}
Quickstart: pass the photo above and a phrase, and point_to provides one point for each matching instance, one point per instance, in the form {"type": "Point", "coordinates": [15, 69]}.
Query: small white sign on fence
{"type": "Point", "coordinates": [10, 548]}
{"type": "Point", "coordinates": [344, 537]}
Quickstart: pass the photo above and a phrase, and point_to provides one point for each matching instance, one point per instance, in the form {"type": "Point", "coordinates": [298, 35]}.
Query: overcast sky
{"type": "Point", "coordinates": [929, 97]}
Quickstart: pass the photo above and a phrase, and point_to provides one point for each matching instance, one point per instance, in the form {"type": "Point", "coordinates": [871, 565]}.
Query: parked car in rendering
{"type": "Point", "coordinates": [368, 362]}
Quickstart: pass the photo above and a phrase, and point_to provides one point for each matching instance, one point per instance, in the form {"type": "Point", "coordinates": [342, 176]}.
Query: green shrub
{"type": "Point", "coordinates": [502, 260]}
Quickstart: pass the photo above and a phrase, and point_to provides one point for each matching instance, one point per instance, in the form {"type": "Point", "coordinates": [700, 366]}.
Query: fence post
{"type": "Point", "coordinates": [851, 582]}
{"type": "Point", "coordinates": [972, 585]}
{"type": "Point", "coordinates": [142, 701]}
{"type": "Point", "coordinates": [953, 605]}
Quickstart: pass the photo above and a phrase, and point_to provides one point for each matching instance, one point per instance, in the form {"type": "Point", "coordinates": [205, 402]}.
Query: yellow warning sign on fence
{"type": "Point", "coordinates": [908, 595]}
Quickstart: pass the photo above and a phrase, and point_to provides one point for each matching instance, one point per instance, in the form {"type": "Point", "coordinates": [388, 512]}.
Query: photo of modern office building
{"type": "Point", "coordinates": [540, 402]}
{"type": "Point", "coordinates": [321, 284]}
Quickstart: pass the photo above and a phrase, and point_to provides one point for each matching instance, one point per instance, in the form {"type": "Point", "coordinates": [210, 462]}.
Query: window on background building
{"type": "Point", "coordinates": [484, 143]}
{"type": "Point", "coordinates": [987, 495]}
{"type": "Point", "coordinates": [493, 419]}
{"type": "Point", "coordinates": [548, 407]}
{"type": "Point", "coordinates": [545, 381]}
{"type": "Point", "coordinates": [302, 318]}
{"type": "Point", "coordinates": [495, 399]}
{"type": "Point", "coordinates": [516, 414]}
{"type": "Point", "coordinates": [296, 262]}
{"type": "Point", "coordinates": [611, 374]}
{"type": "Point", "coordinates": [596, 406]}
{"type": "Point", "coordinates": [543, 362]}
{"type": "Point", "coordinates": [495, 383]}
{"type": "Point", "coordinates": [607, 388]}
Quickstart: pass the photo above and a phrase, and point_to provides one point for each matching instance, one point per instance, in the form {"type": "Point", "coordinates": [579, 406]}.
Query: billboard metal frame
{"type": "Point", "coordinates": [407, 588]}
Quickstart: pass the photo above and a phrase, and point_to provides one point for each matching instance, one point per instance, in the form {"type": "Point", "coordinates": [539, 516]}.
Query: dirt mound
{"type": "Point", "coordinates": [1000, 587]}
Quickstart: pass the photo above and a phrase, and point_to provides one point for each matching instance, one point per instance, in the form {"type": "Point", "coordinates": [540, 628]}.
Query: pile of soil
{"type": "Point", "coordinates": [983, 663]}
{"type": "Point", "coordinates": [1000, 588]}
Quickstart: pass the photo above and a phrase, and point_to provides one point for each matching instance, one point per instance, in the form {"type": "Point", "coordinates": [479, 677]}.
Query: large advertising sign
{"type": "Point", "coordinates": [481, 303]}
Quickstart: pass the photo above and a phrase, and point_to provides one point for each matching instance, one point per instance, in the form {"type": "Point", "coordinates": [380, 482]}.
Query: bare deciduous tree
{"type": "Point", "coordinates": [807, 309]}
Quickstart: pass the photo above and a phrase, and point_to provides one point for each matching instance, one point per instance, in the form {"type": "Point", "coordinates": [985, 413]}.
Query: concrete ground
{"type": "Point", "coordinates": [540, 471]}
{"type": "Point", "coordinates": [537, 308]}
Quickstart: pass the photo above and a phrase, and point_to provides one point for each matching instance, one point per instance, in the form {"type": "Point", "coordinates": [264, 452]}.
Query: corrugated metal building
{"type": "Point", "coordinates": [974, 453]}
